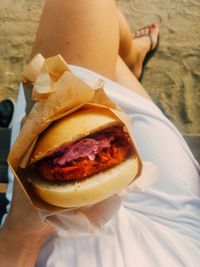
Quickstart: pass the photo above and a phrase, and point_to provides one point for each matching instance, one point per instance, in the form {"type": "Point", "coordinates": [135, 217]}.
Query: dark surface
{"type": "Point", "coordinates": [4, 150]}
{"type": "Point", "coordinates": [193, 142]}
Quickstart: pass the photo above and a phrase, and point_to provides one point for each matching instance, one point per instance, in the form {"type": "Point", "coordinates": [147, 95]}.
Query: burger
{"type": "Point", "coordinates": [82, 159]}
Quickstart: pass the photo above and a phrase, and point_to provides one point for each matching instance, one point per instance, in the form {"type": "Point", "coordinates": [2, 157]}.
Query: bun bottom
{"type": "Point", "coordinates": [88, 191]}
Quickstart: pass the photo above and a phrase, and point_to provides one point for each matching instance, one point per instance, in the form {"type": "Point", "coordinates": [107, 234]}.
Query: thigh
{"type": "Point", "coordinates": [85, 33]}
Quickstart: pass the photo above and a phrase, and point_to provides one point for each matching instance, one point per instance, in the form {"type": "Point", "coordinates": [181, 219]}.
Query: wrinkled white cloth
{"type": "Point", "coordinates": [158, 227]}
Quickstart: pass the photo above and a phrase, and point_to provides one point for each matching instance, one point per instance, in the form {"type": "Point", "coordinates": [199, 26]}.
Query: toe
{"type": "Point", "coordinates": [142, 32]}
{"type": "Point", "coordinates": [146, 31]}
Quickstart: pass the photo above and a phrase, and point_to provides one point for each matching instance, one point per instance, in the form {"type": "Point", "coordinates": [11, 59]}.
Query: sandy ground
{"type": "Point", "coordinates": [172, 77]}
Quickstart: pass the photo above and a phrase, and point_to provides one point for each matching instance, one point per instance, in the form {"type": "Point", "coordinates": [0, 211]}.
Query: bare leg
{"type": "Point", "coordinates": [125, 77]}
{"type": "Point", "coordinates": [85, 33]}
{"type": "Point", "coordinates": [133, 49]}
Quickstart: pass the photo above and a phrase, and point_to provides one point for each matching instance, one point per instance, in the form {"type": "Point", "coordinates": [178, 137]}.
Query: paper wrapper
{"type": "Point", "coordinates": [57, 92]}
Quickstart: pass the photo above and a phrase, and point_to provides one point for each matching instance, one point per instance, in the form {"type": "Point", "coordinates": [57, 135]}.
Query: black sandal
{"type": "Point", "coordinates": [151, 51]}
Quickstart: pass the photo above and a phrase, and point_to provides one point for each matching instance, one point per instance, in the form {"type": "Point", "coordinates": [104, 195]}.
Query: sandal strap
{"type": "Point", "coordinates": [151, 42]}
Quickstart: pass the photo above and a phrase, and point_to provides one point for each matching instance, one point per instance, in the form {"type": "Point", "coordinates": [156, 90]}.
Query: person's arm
{"type": "Point", "coordinates": [22, 234]}
{"type": "Point", "coordinates": [16, 251]}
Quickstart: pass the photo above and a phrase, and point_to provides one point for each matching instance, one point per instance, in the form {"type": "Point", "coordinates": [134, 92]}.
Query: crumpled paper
{"type": "Point", "coordinates": [56, 92]}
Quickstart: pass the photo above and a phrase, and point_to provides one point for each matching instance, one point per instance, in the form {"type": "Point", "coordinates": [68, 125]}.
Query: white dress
{"type": "Point", "coordinates": [156, 228]}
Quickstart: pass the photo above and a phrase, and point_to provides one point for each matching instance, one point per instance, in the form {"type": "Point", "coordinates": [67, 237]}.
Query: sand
{"type": "Point", "coordinates": [172, 76]}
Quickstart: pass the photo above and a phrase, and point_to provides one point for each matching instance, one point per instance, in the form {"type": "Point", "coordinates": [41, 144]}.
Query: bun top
{"type": "Point", "coordinates": [72, 128]}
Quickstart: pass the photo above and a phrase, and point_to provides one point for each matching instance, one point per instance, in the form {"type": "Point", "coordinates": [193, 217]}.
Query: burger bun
{"type": "Point", "coordinates": [88, 191]}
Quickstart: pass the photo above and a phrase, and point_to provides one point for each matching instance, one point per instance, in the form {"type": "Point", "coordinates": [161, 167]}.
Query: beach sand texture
{"type": "Point", "coordinates": [172, 77]}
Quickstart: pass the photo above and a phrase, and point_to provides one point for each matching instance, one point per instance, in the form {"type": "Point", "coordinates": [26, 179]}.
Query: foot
{"type": "Point", "coordinates": [145, 40]}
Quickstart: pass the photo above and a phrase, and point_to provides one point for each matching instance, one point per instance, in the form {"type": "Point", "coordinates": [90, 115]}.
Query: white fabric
{"type": "Point", "coordinates": [158, 227]}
